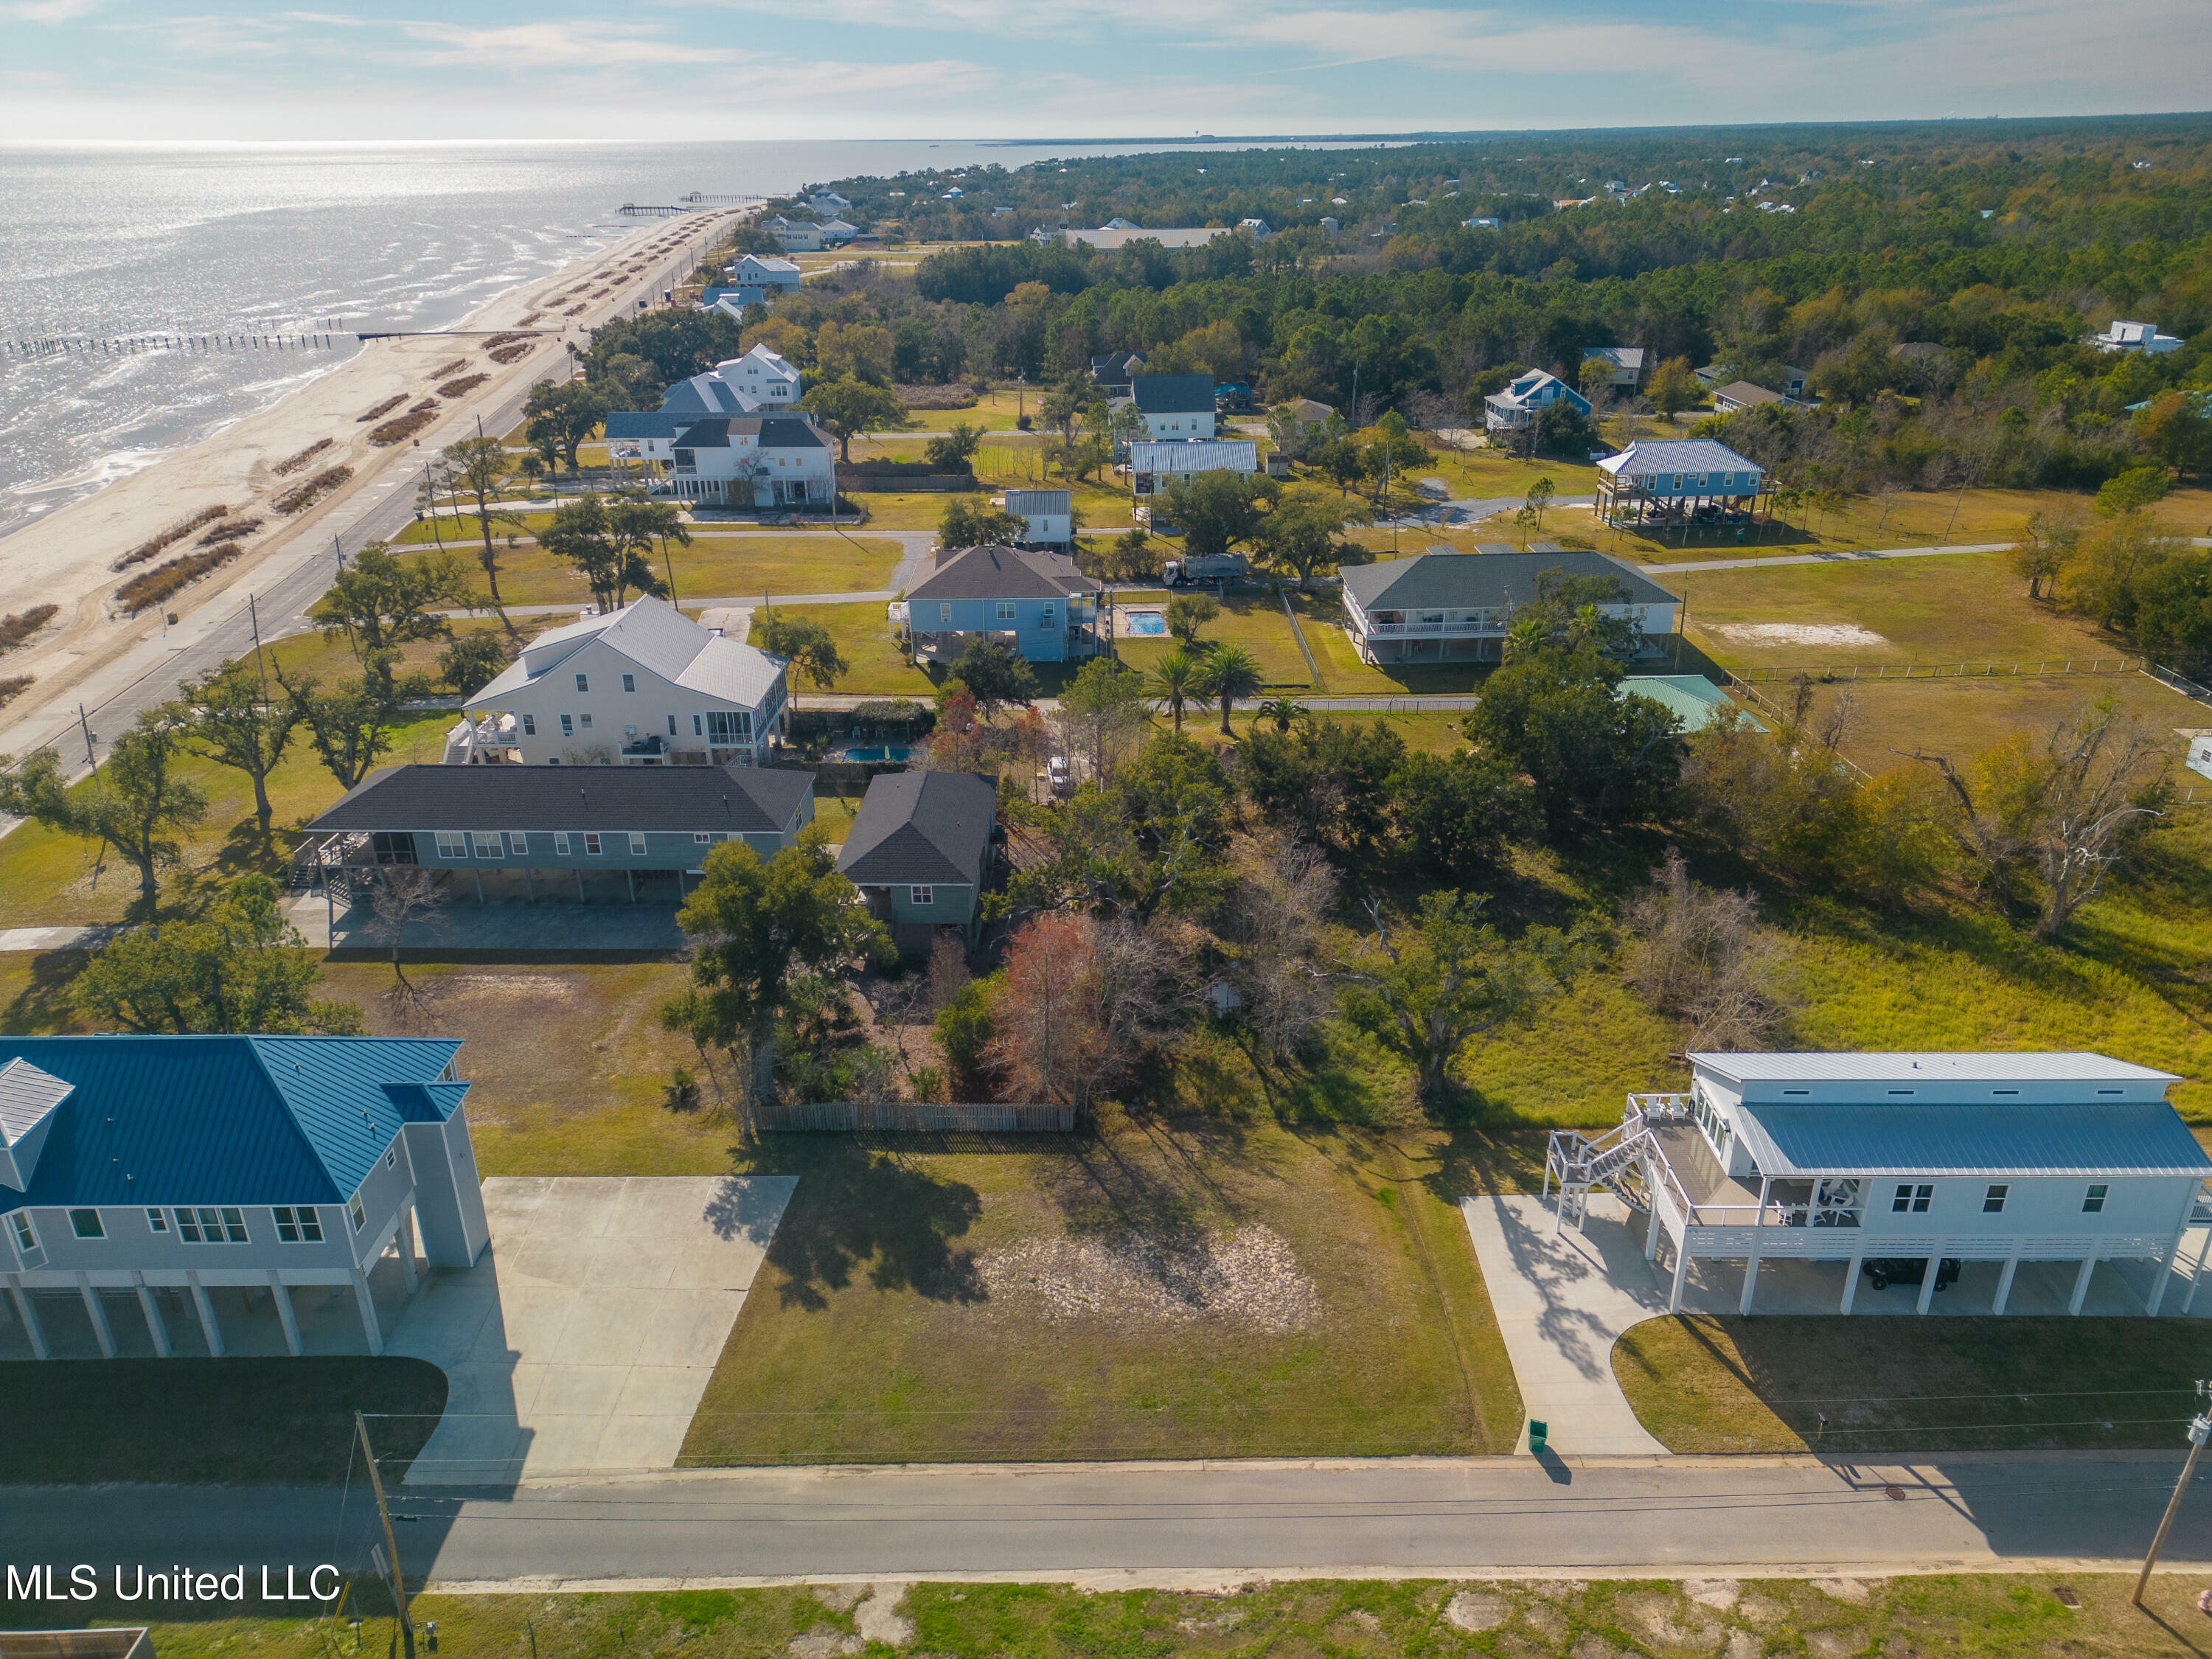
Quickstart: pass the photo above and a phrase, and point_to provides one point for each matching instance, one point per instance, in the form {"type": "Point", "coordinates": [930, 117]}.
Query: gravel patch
{"type": "Point", "coordinates": [1245, 1274]}
{"type": "Point", "coordinates": [1796, 633]}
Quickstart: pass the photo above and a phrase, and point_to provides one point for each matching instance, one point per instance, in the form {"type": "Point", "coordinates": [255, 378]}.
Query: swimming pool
{"type": "Point", "coordinates": [887, 752]}
{"type": "Point", "coordinates": [1148, 622]}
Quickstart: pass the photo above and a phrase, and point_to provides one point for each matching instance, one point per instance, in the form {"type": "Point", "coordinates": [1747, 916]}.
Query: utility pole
{"type": "Point", "coordinates": [339, 547]}
{"type": "Point", "coordinates": [85, 727]}
{"type": "Point", "coordinates": [2200, 1431]}
{"type": "Point", "coordinates": [390, 1546]}
{"type": "Point", "coordinates": [253, 614]}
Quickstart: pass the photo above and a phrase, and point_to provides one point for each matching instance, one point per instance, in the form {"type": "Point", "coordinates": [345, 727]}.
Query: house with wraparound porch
{"type": "Point", "coordinates": [1930, 1171]}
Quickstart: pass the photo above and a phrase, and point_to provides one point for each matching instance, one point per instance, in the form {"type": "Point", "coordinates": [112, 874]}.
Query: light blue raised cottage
{"type": "Point", "coordinates": [1035, 604]}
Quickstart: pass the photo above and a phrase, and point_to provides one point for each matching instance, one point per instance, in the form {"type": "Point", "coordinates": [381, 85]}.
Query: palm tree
{"type": "Point", "coordinates": [1229, 673]}
{"type": "Point", "coordinates": [1284, 711]}
{"type": "Point", "coordinates": [1175, 681]}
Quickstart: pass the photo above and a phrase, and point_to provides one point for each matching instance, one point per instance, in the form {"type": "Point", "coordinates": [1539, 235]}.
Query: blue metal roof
{"type": "Point", "coordinates": [236, 1120]}
{"type": "Point", "coordinates": [2118, 1138]}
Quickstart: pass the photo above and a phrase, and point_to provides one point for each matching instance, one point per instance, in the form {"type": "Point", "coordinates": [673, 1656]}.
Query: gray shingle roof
{"type": "Point", "coordinates": [644, 424]}
{"type": "Point", "coordinates": [758, 800]}
{"type": "Point", "coordinates": [773, 432]}
{"type": "Point", "coordinates": [1173, 394]}
{"type": "Point", "coordinates": [1002, 572]}
{"type": "Point", "coordinates": [1473, 581]}
{"type": "Point", "coordinates": [920, 828]}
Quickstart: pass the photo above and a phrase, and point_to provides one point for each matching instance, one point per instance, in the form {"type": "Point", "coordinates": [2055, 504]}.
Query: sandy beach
{"type": "Point", "coordinates": [67, 559]}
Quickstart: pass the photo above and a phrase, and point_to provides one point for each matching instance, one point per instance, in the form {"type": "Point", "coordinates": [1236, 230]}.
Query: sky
{"type": "Point", "coordinates": [124, 69]}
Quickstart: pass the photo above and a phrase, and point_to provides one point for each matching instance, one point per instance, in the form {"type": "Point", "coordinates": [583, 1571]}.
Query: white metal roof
{"type": "Point", "coordinates": [2072, 1067]}
{"type": "Point", "coordinates": [657, 636]}
{"type": "Point", "coordinates": [26, 1094]}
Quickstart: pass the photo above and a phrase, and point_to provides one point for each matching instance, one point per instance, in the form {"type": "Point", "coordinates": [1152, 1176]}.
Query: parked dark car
{"type": "Point", "coordinates": [1889, 1270]}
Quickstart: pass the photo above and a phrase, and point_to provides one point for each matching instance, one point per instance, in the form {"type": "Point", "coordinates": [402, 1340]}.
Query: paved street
{"type": "Point", "coordinates": [1176, 1523]}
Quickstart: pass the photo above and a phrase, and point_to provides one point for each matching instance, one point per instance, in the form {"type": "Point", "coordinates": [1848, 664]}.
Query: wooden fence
{"type": "Point", "coordinates": [912, 1117]}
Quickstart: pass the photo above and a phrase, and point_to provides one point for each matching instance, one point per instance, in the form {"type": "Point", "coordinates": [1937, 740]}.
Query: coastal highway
{"type": "Point", "coordinates": [290, 579]}
{"type": "Point", "coordinates": [1173, 1523]}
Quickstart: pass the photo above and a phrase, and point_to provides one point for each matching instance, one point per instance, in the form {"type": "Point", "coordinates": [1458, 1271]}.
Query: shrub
{"type": "Point", "coordinates": [12, 688]}
{"type": "Point", "coordinates": [17, 628]}
{"type": "Point", "coordinates": [156, 585]}
{"type": "Point", "coordinates": [467, 383]}
{"type": "Point", "coordinates": [400, 431]}
{"type": "Point", "coordinates": [292, 464]}
{"type": "Point", "coordinates": [175, 533]}
{"type": "Point", "coordinates": [964, 1031]}
{"type": "Point", "coordinates": [384, 408]}
{"type": "Point", "coordinates": [305, 494]}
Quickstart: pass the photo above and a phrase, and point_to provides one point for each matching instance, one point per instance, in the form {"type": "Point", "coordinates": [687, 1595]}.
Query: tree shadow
{"type": "Point", "coordinates": [862, 1213]}
{"type": "Point", "coordinates": [1477, 1163]}
{"type": "Point", "coordinates": [42, 1006]}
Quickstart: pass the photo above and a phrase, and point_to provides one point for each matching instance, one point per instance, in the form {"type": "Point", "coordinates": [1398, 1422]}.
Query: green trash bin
{"type": "Point", "coordinates": [1537, 1434]}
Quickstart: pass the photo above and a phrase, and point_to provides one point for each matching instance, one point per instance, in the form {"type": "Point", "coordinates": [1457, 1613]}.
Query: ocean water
{"type": "Point", "coordinates": [207, 240]}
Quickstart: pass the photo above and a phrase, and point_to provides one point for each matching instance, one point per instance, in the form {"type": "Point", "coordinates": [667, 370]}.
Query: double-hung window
{"type": "Point", "coordinates": [211, 1226]}
{"type": "Point", "coordinates": [453, 844]}
{"type": "Point", "coordinates": [560, 840]}
{"type": "Point", "coordinates": [157, 1219]}
{"type": "Point", "coordinates": [922, 898]}
{"type": "Point", "coordinates": [592, 843]}
{"type": "Point", "coordinates": [355, 1213]}
{"type": "Point", "coordinates": [1993, 1200]}
{"type": "Point", "coordinates": [530, 725]}
{"type": "Point", "coordinates": [583, 683]}
{"type": "Point", "coordinates": [517, 843]}
{"type": "Point", "coordinates": [2092, 1201]}
{"type": "Point", "coordinates": [85, 1224]}
{"type": "Point", "coordinates": [1006, 611]}
{"type": "Point", "coordinates": [26, 1239]}
{"type": "Point", "coordinates": [1047, 615]}
{"type": "Point", "coordinates": [1913, 1199]}
{"type": "Point", "coordinates": [487, 843]}
{"type": "Point", "coordinates": [586, 719]}
{"type": "Point", "coordinates": [637, 843]}
{"type": "Point", "coordinates": [629, 682]}
{"type": "Point", "coordinates": [567, 725]}
{"type": "Point", "coordinates": [300, 1225]}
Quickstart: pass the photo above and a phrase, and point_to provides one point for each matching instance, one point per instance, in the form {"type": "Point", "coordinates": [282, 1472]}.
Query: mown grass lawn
{"type": "Point", "coordinates": [714, 567]}
{"type": "Point", "coordinates": [1018, 1297]}
{"type": "Point", "coordinates": [1975, 1616]}
{"type": "Point", "coordinates": [1705, 1383]}
{"type": "Point", "coordinates": [863, 634]}
{"type": "Point", "coordinates": [1254, 621]}
{"type": "Point", "coordinates": [212, 1422]}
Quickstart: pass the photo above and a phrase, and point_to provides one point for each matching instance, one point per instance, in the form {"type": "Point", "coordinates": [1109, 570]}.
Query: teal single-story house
{"type": "Point", "coordinates": [1035, 604]}
{"type": "Point", "coordinates": [549, 823]}
{"type": "Point", "coordinates": [920, 851]}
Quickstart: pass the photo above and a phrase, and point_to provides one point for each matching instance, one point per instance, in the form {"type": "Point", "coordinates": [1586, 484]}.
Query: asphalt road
{"type": "Point", "coordinates": [1170, 1523]}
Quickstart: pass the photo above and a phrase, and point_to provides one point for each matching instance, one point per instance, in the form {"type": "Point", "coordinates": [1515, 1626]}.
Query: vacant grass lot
{"type": "Point", "coordinates": [1966, 717]}
{"type": "Point", "coordinates": [863, 634]}
{"type": "Point", "coordinates": [1975, 1616]}
{"type": "Point", "coordinates": [1704, 1383]}
{"type": "Point", "coordinates": [50, 880]}
{"type": "Point", "coordinates": [1173, 1287]}
{"type": "Point", "coordinates": [228, 1422]}
{"type": "Point", "coordinates": [714, 567]}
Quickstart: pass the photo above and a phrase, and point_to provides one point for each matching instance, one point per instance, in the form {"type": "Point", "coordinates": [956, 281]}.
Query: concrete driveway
{"type": "Point", "coordinates": [1562, 1301]}
{"type": "Point", "coordinates": [582, 1340]}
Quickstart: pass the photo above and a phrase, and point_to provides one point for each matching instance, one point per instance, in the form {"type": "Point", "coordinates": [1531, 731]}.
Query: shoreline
{"type": "Point", "coordinates": [64, 557]}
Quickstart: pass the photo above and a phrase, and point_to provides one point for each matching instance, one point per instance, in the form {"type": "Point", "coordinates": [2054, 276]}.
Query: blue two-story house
{"type": "Point", "coordinates": [170, 1184]}
{"type": "Point", "coordinates": [1669, 479]}
{"type": "Point", "coordinates": [1035, 604]}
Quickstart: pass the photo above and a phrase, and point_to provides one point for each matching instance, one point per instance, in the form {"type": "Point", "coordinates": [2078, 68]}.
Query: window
{"type": "Point", "coordinates": [530, 725]}
{"type": "Point", "coordinates": [453, 844]}
{"type": "Point", "coordinates": [1678, 484]}
{"type": "Point", "coordinates": [2004, 1091]}
{"type": "Point", "coordinates": [592, 843]}
{"type": "Point", "coordinates": [2093, 1201]}
{"type": "Point", "coordinates": [1006, 611]}
{"type": "Point", "coordinates": [1796, 1091]}
{"type": "Point", "coordinates": [188, 1226]}
{"type": "Point", "coordinates": [392, 1158]}
{"type": "Point", "coordinates": [945, 616]}
{"type": "Point", "coordinates": [157, 1220]}
{"type": "Point", "coordinates": [636, 844]}
{"type": "Point", "coordinates": [672, 726]}
{"type": "Point", "coordinates": [560, 840]}
{"type": "Point", "coordinates": [698, 726]}
{"type": "Point", "coordinates": [922, 896]}
{"type": "Point", "coordinates": [730, 727]}
{"type": "Point", "coordinates": [1045, 617]}
{"type": "Point", "coordinates": [629, 682]}
{"type": "Point", "coordinates": [702, 837]}
{"type": "Point", "coordinates": [303, 1225]}
{"type": "Point", "coordinates": [517, 843]}
{"type": "Point", "coordinates": [359, 1216]}
{"type": "Point", "coordinates": [568, 726]}
{"type": "Point", "coordinates": [1993, 1201]}
{"type": "Point", "coordinates": [26, 1238]}
{"type": "Point", "coordinates": [85, 1224]}
{"type": "Point", "coordinates": [207, 1226]}
{"type": "Point", "coordinates": [1913, 1198]}
{"type": "Point", "coordinates": [583, 683]}
{"type": "Point", "coordinates": [487, 843]}
{"type": "Point", "coordinates": [586, 720]}
{"type": "Point", "coordinates": [2109, 1092]}
{"type": "Point", "coordinates": [1900, 1092]}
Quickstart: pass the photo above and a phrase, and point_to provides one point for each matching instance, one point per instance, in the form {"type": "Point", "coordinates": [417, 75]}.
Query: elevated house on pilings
{"type": "Point", "coordinates": [1683, 480]}
{"type": "Point", "coordinates": [1913, 1168]}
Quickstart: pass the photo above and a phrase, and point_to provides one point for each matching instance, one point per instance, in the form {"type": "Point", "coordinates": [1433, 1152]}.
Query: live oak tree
{"type": "Point", "coordinates": [559, 418]}
{"type": "Point", "coordinates": [585, 534]}
{"type": "Point", "coordinates": [476, 468]}
{"type": "Point", "coordinates": [243, 968]}
{"type": "Point", "coordinates": [636, 524]}
{"type": "Point", "coordinates": [1429, 991]}
{"type": "Point", "coordinates": [806, 644]}
{"type": "Point", "coordinates": [752, 926]}
{"type": "Point", "coordinates": [351, 724]}
{"type": "Point", "coordinates": [381, 603]}
{"type": "Point", "coordinates": [848, 407]}
{"type": "Point", "coordinates": [234, 722]}
{"type": "Point", "coordinates": [135, 803]}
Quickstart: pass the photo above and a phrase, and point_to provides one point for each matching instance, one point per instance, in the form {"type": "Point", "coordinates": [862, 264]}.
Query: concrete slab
{"type": "Point", "coordinates": [583, 1340]}
{"type": "Point", "coordinates": [1562, 1301]}
{"type": "Point", "coordinates": [508, 919]}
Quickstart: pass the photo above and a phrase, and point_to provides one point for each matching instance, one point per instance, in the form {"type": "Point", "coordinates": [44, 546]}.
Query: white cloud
{"type": "Point", "coordinates": [46, 11]}
{"type": "Point", "coordinates": [547, 45]}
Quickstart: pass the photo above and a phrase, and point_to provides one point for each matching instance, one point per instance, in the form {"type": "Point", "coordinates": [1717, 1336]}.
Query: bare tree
{"type": "Point", "coordinates": [1701, 955]}
{"type": "Point", "coordinates": [403, 893]}
{"type": "Point", "coordinates": [1286, 889]}
{"type": "Point", "coordinates": [1839, 721]}
{"type": "Point", "coordinates": [2061, 810]}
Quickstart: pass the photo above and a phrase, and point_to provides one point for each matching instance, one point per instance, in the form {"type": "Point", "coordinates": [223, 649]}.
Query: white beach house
{"type": "Point", "coordinates": [1914, 1169]}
